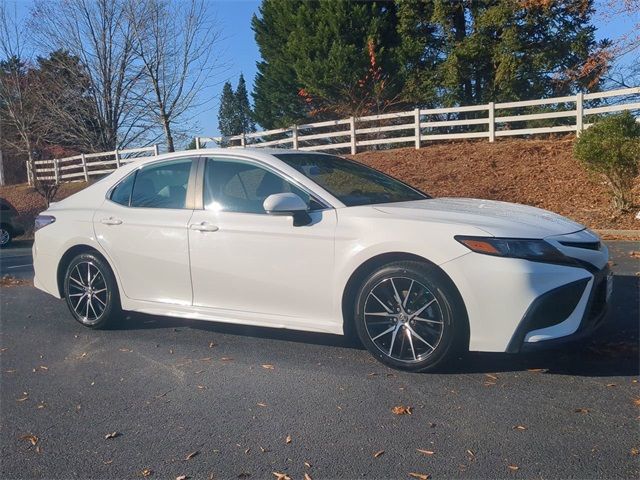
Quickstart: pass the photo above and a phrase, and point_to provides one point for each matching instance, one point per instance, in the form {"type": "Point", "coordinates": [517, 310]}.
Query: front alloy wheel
{"type": "Point", "coordinates": [408, 316]}
{"type": "Point", "coordinates": [90, 291]}
{"type": "Point", "coordinates": [5, 236]}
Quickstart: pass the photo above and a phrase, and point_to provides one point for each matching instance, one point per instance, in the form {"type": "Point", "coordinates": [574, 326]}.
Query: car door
{"type": "Point", "coordinates": [245, 260]}
{"type": "Point", "coordinates": [143, 228]}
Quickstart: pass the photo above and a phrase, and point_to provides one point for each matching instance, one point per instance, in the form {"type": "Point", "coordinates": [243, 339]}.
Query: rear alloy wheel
{"type": "Point", "coordinates": [91, 291]}
{"type": "Point", "coordinates": [407, 316]}
{"type": "Point", "coordinates": [5, 236]}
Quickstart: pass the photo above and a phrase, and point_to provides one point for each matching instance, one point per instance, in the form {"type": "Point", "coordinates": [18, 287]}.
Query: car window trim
{"type": "Point", "coordinates": [199, 194]}
{"type": "Point", "coordinates": [191, 183]}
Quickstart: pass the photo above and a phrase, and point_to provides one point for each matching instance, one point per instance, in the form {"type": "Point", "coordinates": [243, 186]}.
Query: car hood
{"type": "Point", "coordinates": [500, 219]}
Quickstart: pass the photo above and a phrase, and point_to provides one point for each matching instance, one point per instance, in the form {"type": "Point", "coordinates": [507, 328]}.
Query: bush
{"type": "Point", "coordinates": [611, 148]}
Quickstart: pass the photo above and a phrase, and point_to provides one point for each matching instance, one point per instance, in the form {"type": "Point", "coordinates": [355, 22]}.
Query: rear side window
{"type": "Point", "coordinates": [162, 185]}
{"type": "Point", "coordinates": [122, 193]}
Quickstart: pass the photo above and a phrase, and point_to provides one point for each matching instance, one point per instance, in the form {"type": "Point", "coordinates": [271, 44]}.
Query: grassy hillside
{"type": "Point", "coordinates": [542, 173]}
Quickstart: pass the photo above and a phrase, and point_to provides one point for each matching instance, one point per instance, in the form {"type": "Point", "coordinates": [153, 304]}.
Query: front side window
{"type": "Point", "coordinates": [237, 186]}
{"type": "Point", "coordinates": [162, 185]}
{"type": "Point", "coordinates": [350, 182]}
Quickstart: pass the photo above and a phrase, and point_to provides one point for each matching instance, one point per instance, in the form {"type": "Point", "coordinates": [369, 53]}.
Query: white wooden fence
{"type": "Point", "coordinates": [81, 167]}
{"type": "Point", "coordinates": [416, 126]}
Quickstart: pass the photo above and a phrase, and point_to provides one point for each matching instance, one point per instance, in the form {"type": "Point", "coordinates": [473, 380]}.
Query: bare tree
{"type": "Point", "coordinates": [19, 109]}
{"type": "Point", "coordinates": [174, 42]}
{"type": "Point", "coordinates": [99, 34]}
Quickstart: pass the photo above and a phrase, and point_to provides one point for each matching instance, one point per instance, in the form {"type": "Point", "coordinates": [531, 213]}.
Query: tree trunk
{"type": "Point", "coordinates": [166, 126]}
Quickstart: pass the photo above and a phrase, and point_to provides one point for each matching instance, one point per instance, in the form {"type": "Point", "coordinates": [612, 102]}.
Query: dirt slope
{"type": "Point", "coordinates": [542, 173]}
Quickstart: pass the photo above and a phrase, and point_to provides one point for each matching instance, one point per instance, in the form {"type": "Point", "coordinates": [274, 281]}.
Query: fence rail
{"type": "Point", "coordinates": [572, 113]}
{"type": "Point", "coordinates": [490, 121]}
{"type": "Point", "coordinates": [80, 168]}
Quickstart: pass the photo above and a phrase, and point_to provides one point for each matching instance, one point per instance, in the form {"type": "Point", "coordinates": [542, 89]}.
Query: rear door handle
{"type": "Point", "coordinates": [111, 221]}
{"type": "Point", "coordinates": [203, 227]}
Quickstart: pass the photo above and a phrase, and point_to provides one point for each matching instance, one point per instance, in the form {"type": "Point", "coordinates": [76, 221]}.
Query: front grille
{"type": "Point", "coordinates": [587, 245]}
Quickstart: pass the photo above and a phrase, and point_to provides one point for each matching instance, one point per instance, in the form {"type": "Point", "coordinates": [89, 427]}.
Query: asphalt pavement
{"type": "Point", "coordinates": [207, 400]}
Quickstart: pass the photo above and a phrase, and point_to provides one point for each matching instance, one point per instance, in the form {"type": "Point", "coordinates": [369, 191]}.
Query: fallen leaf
{"type": "Point", "coordinates": [288, 439]}
{"type": "Point", "coordinates": [538, 370]}
{"type": "Point", "coordinates": [201, 387]}
{"type": "Point", "coordinates": [636, 402]}
{"type": "Point", "coordinates": [307, 476]}
{"type": "Point", "coordinates": [146, 472]}
{"type": "Point", "coordinates": [41, 406]}
{"type": "Point", "coordinates": [182, 477]}
{"type": "Point", "coordinates": [426, 452]}
{"type": "Point", "coordinates": [520, 427]}
{"type": "Point", "coordinates": [268, 366]}
{"type": "Point", "coordinates": [492, 377]}
{"type": "Point", "coordinates": [307, 464]}
{"type": "Point", "coordinates": [513, 468]}
{"type": "Point", "coordinates": [378, 454]}
{"type": "Point", "coordinates": [634, 254]}
{"type": "Point", "coordinates": [30, 438]}
{"type": "Point", "coordinates": [471, 454]}
{"type": "Point", "coordinates": [211, 344]}
{"type": "Point", "coordinates": [22, 399]}
{"type": "Point", "coordinates": [264, 450]}
{"type": "Point", "coordinates": [281, 476]}
{"type": "Point", "coordinates": [402, 410]}
{"type": "Point", "coordinates": [107, 462]}
{"type": "Point", "coordinates": [635, 452]}
{"type": "Point", "coordinates": [111, 435]}
{"type": "Point", "coordinates": [420, 476]}
{"type": "Point", "coordinates": [125, 350]}
{"type": "Point", "coordinates": [247, 451]}
{"type": "Point", "coordinates": [191, 455]}
{"type": "Point", "coordinates": [260, 404]}
{"type": "Point", "coordinates": [38, 449]}
{"type": "Point", "coordinates": [43, 367]}
{"type": "Point", "coordinates": [611, 385]}
{"type": "Point", "coordinates": [581, 410]}
{"type": "Point", "coordinates": [226, 359]}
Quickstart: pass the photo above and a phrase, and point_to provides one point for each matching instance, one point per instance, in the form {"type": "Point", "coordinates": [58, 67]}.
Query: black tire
{"type": "Point", "coordinates": [6, 236]}
{"type": "Point", "coordinates": [432, 324]}
{"type": "Point", "coordinates": [95, 303]}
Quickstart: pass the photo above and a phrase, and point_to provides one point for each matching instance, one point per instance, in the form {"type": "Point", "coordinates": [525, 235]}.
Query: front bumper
{"type": "Point", "coordinates": [540, 327]}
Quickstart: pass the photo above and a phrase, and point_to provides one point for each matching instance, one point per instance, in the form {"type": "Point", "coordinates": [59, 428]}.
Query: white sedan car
{"type": "Point", "coordinates": [315, 242]}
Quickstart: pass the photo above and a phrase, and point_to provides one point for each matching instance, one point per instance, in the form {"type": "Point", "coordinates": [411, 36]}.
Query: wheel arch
{"type": "Point", "coordinates": [377, 261]}
{"type": "Point", "coordinates": [69, 255]}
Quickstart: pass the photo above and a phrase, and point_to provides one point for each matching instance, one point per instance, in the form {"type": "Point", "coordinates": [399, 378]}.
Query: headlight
{"type": "Point", "coordinates": [528, 249]}
{"type": "Point", "coordinates": [43, 221]}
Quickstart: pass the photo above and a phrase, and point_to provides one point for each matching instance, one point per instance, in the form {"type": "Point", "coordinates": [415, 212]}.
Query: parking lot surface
{"type": "Point", "coordinates": [163, 398]}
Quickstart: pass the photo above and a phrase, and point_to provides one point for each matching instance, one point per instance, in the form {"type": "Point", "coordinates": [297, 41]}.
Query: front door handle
{"type": "Point", "coordinates": [111, 221]}
{"type": "Point", "coordinates": [203, 227]}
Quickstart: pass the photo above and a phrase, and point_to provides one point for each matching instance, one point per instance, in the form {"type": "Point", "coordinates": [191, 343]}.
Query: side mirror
{"type": "Point", "coordinates": [288, 204]}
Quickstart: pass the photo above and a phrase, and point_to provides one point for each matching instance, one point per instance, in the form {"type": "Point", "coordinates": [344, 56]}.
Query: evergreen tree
{"type": "Point", "coordinates": [275, 90]}
{"type": "Point", "coordinates": [243, 116]}
{"type": "Point", "coordinates": [226, 111]}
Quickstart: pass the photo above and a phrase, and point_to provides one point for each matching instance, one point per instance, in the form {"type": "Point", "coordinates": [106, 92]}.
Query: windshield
{"type": "Point", "coordinates": [350, 182]}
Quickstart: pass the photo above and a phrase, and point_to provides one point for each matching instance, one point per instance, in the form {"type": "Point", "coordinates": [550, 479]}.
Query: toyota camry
{"type": "Point", "coordinates": [316, 242]}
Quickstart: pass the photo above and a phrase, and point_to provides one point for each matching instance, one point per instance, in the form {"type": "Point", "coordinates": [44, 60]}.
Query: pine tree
{"type": "Point", "coordinates": [226, 111]}
{"type": "Point", "coordinates": [243, 116]}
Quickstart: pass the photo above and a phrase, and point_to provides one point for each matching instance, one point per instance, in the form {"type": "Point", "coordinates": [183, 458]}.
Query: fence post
{"type": "Point", "coordinates": [117, 155]}
{"type": "Point", "coordinates": [156, 150]}
{"type": "Point", "coordinates": [579, 113]}
{"type": "Point", "coordinates": [418, 130]}
{"type": "Point", "coordinates": [352, 129]}
{"type": "Point", "coordinates": [197, 143]}
{"type": "Point", "coordinates": [84, 168]}
{"type": "Point", "coordinates": [243, 140]}
{"type": "Point", "coordinates": [492, 122]}
{"type": "Point", "coordinates": [294, 129]}
{"type": "Point", "coordinates": [56, 170]}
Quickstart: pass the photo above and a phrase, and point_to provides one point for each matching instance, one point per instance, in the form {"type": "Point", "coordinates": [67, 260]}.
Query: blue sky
{"type": "Point", "coordinates": [241, 52]}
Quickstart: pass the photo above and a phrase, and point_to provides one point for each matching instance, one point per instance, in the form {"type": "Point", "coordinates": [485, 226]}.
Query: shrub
{"type": "Point", "coordinates": [611, 148]}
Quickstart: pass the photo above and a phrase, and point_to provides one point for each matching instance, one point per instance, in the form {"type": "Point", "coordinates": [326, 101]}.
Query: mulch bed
{"type": "Point", "coordinates": [542, 173]}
